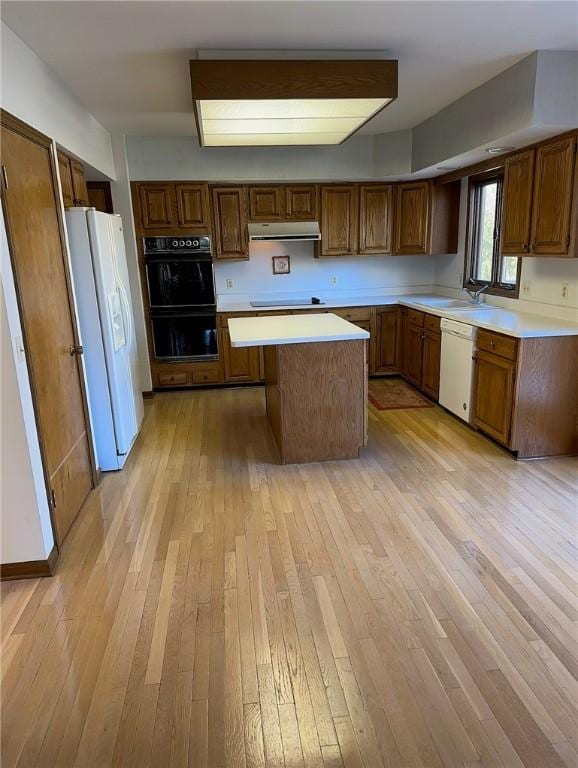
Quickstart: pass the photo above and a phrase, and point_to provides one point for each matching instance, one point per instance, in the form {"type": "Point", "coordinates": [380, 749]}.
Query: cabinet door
{"type": "Point", "coordinates": [79, 188]}
{"type": "Point", "coordinates": [412, 217]}
{"type": "Point", "coordinates": [156, 205]}
{"type": "Point", "coordinates": [266, 203]}
{"type": "Point", "coordinates": [239, 363]}
{"type": "Point", "coordinates": [192, 205]}
{"type": "Point", "coordinates": [494, 395]}
{"type": "Point", "coordinates": [551, 210]}
{"type": "Point", "coordinates": [517, 202]}
{"type": "Point", "coordinates": [413, 353]}
{"type": "Point", "coordinates": [301, 202]}
{"type": "Point", "coordinates": [386, 338]}
{"type": "Point", "coordinates": [338, 220]}
{"type": "Point", "coordinates": [65, 172]}
{"type": "Point", "coordinates": [375, 218]}
{"type": "Point", "coordinates": [230, 219]}
{"type": "Point", "coordinates": [430, 375]}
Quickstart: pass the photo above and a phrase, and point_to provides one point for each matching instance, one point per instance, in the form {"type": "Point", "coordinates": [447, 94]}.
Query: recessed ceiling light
{"type": "Point", "coordinates": [287, 102]}
{"type": "Point", "coordinates": [499, 150]}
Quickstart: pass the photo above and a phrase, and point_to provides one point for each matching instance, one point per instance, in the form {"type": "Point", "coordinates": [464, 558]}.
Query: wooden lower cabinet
{"type": "Point", "coordinates": [183, 375]}
{"type": "Point", "coordinates": [413, 353]}
{"type": "Point", "coordinates": [386, 342]}
{"type": "Point", "coordinates": [430, 373]}
{"type": "Point", "coordinates": [494, 395]}
{"type": "Point", "coordinates": [239, 363]}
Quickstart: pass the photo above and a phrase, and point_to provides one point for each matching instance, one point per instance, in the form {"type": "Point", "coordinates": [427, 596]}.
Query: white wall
{"type": "Point", "coordinates": [26, 532]}
{"type": "Point", "coordinates": [156, 158]}
{"type": "Point", "coordinates": [32, 92]}
{"type": "Point", "coordinates": [540, 282]}
{"type": "Point", "coordinates": [310, 276]}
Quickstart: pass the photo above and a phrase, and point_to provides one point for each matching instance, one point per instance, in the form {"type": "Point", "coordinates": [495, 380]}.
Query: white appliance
{"type": "Point", "coordinates": [102, 293]}
{"type": "Point", "coordinates": [457, 367]}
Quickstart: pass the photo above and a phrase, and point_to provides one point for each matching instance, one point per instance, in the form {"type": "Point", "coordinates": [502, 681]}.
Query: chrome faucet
{"type": "Point", "coordinates": [475, 295]}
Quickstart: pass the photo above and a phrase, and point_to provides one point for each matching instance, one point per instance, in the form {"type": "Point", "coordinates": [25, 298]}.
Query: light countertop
{"type": "Point", "coordinates": [292, 329]}
{"type": "Point", "coordinates": [508, 322]}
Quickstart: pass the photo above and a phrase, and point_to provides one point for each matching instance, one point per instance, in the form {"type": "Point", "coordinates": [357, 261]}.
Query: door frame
{"type": "Point", "coordinates": [9, 121]}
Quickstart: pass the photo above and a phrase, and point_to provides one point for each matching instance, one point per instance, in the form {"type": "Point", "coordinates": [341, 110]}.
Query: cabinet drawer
{"type": "Point", "coordinates": [432, 323]}
{"type": "Point", "coordinates": [207, 374]}
{"type": "Point", "coordinates": [415, 317]}
{"type": "Point", "coordinates": [504, 346]}
{"type": "Point", "coordinates": [174, 379]}
{"type": "Point", "coordinates": [354, 314]}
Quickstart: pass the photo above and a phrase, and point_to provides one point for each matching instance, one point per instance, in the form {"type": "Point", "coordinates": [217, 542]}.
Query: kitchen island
{"type": "Point", "coordinates": [315, 382]}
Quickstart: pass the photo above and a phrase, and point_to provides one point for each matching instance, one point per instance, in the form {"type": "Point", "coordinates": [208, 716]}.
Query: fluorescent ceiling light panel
{"type": "Point", "coordinates": [301, 102]}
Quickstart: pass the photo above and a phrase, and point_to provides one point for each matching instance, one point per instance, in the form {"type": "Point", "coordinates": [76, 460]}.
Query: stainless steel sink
{"type": "Point", "coordinates": [454, 304]}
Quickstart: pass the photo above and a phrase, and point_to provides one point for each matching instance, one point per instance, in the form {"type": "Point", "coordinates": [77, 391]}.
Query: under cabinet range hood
{"type": "Point", "coordinates": [285, 231]}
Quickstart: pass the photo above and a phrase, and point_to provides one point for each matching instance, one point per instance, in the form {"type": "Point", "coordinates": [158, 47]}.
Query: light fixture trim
{"type": "Point", "coordinates": [288, 102]}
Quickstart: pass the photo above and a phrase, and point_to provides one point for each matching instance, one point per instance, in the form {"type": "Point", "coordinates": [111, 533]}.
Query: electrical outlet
{"type": "Point", "coordinates": [229, 283]}
{"type": "Point", "coordinates": [564, 293]}
{"type": "Point", "coordinates": [333, 280]}
{"type": "Point", "coordinates": [526, 287]}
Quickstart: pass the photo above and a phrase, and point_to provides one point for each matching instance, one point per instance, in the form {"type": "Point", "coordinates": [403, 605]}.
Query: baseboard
{"type": "Point", "coordinates": [31, 569]}
{"type": "Point", "coordinates": [148, 394]}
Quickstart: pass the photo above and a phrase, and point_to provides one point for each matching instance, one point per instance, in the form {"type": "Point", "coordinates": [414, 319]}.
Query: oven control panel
{"type": "Point", "coordinates": [177, 244]}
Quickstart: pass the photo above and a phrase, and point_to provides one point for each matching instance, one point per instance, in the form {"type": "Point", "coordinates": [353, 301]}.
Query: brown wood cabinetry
{"type": "Point", "coordinates": [553, 216]}
{"type": "Point", "coordinates": [230, 234]}
{"type": "Point", "coordinates": [72, 181]}
{"type": "Point", "coordinates": [426, 218]}
{"type": "Point", "coordinates": [525, 393]}
{"type": "Point", "coordinates": [339, 225]}
{"type": "Point", "coordinates": [266, 203]}
{"type": "Point", "coordinates": [239, 363]}
{"type": "Point", "coordinates": [375, 218]}
{"type": "Point", "coordinates": [517, 203]}
{"type": "Point", "coordinates": [431, 356]}
{"type": "Point", "coordinates": [494, 395]}
{"type": "Point", "coordinates": [193, 206]}
{"type": "Point", "coordinates": [412, 215]}
{"type": "Point", "coordinates": [420, 358]}
{"type": "Point", "coordinates": [156, 205]}
{"type": "Point", "coordinates": [99, 196]}
{"type": "Point", "coordinates": [386, 340]}
{"type": "Point", "coordinates": [301, 202]}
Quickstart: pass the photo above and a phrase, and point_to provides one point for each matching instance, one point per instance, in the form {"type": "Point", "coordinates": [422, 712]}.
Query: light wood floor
{"type": "Point", "coordinates": [211, 608]}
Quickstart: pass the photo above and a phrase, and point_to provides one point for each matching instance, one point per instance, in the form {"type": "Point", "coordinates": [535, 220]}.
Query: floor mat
{"type": "Point", "coordinates": [390, 394]}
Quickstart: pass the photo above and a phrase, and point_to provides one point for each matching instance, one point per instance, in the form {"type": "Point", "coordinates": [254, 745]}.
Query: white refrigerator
{"type": "Point", "coordinates": [102, 293]}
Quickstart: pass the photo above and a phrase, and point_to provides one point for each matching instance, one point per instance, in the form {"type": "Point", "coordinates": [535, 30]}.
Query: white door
{"type": "Point", "coordinates": [117, 326]}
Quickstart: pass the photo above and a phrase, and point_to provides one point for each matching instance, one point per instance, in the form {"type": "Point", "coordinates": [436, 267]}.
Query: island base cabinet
{"type": "Point", "coordinates": [317, 399]}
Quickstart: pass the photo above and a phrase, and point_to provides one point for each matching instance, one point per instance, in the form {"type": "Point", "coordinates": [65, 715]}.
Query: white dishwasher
{"type": "Point", "coordinates": [457, 367]}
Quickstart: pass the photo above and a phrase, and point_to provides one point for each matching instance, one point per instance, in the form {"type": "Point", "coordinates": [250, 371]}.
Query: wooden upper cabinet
{"type": "Point", "coordinates": [79, 187]}
{"type": "Point", "coordinates": [301, 202]}
{"type": "Point", "coordinates": [266, 203]}
{"type": "Point", "coordinates": [230, 222]}
{"type": "Point", "coordinates": [412, 217]}
{"type": "Point", "coordinates": [517, 203]}
{"type": "Point", "coordinates": [193, 205]}
{"type": "Point", "coordinates": [552, 206]}
{"type": "Point", "coordinates": [156, 204]}
{"type": "Point", "coordinates": [338, 220]}
{"type": "Point", "coordinates": [375, 218]}
{"type": "Point", "coordinates": [65, 172]}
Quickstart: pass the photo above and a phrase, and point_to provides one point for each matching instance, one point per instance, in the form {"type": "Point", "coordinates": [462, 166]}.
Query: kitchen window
{"type": "Point", "coordinates": [486, 267]}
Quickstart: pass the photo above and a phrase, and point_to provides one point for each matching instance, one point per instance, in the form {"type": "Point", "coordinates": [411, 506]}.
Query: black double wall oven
{"type": "Point", "coordinates": [181, 290]}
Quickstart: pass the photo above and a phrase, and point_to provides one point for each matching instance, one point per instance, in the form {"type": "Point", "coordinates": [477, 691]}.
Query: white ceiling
{"type": "Point", "coordinates": [127, 62]}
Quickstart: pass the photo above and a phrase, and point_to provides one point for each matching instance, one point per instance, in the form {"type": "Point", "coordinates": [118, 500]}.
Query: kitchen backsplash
{"type": "Point", "coordinates": [325, 275]}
